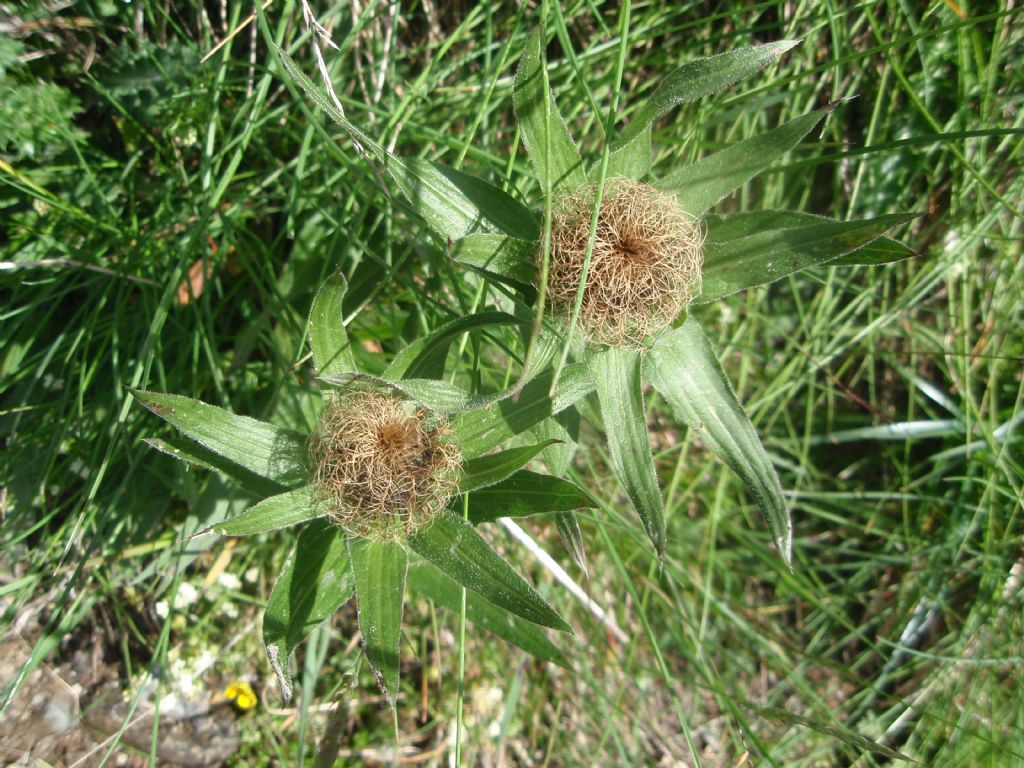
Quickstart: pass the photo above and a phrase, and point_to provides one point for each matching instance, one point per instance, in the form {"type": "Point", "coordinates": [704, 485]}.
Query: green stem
{"type": "Point", "coordinates": [609, 127]}
{"type": "Point", "coordinates": [462, 659]}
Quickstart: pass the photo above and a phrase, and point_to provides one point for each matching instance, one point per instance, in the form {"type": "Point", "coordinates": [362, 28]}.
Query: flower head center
{"type": "Point", "coordinates": [381, 469]}
{"type": "Point", "coordinates": [644, 266]}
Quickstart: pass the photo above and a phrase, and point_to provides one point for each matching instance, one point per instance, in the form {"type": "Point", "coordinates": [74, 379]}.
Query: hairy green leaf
{"type": "Point", "coordinates": [379, 568]}
{"type": "Point", "coordinates": [425, 357]}
{"type": "Point", "coordinates": [504, 258]}
{"type": "Point", "coordinates": [682, 366]}
{"type": "Point", "coordinates": [456, 204]}
{"type": "Point", "coordinates": [526, 493]}
{"type": "Point", "coordinates": [437, 395]}
{"type": "Point", "coordinates": [480, 429]}
{"type": "Point", "coordinates": [495, 467]}
{"type": "Point", "coordinates": [632, 159]}
{"type": "Point", "coordinates": [572, 539]}
{"type": "Point", "coordinates": [616, 373]}
{"type": "Point", "coordinates": [699, 78]}
{"type": "Point", "coordinates": [458, 551]}
{"type": "Point", "coordinates": [281, 511]}
{"type": "Point", "coordinates": [738, 254]}
{"type": "Point", "coordinates": [552, 151]}
{"type": "Point", "coordinates": [315, 582]}
{"type": "Point", "coordinates": [271, 452]}
{"type": "Point", "coordinates": [332, 353]}
{"type": "Point", "coordinates": [699, 186]}
{"type": "Point", "coordinates": [884, 250]}
{"type": "Point", "coordinates": [452, 202]}
{"type": "Point", "coordinates": [431, 583]}
{"type": "Point", "coordinates": [563, 428]}
{"type": "Point", "coordinates": [193, 453]}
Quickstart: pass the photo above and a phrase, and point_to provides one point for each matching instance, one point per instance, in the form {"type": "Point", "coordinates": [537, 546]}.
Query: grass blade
{"type": "Point", "coordinates": [682, 366]}
{"type": "Point", "coordinates": [572, 539]}
{"type": "Point", "coordinates": [616, 374]}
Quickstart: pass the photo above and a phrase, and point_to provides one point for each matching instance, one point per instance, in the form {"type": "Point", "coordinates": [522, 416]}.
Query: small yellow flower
{"type": "Point", "coordinates": [242, 694]}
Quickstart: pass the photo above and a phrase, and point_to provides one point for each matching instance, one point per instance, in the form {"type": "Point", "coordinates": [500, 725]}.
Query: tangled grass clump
{"type": "Point", "coordinates": [644, 267]}
{"type": "Point", "coordinates": [381, 467]}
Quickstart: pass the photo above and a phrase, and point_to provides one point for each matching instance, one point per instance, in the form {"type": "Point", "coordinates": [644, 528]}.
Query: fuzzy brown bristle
{"type": "Point", "coordinates": [380, 467]}
{"type": "Point", "coordinates": [644, 267]}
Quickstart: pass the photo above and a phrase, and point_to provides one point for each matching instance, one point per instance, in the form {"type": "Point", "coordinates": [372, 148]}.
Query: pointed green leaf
{"type": "Point", "coordinates": [271, 452]}
{"type": "Point", "coordinates": [281, 511]}
{"type": "Point", "coordinates": [425, 357]}
{"type": "Point", "coordinates": [572, 539]}
{"type": "Point", "coordinates": [432, 584]}
{"type": "Point", "coordinates": [552, 151]}
{"type": "Point", "coordinates": [505, 258]}
{"type": "Point", "coordinates": [565, 429]}
{"type": "Point", "coordinates": [458, 551]}
{"type": "Point", "coordinates": [452, 202]}
{"type": "Point", "coordinates": [884, 250]}
{"type": "Point", "coordinates": [699, 186]}
{"type": "Point", "coordinates": [632, 159]}
{"type": "Point", "coordinates": [315, 582]}
{"type": "Point", "coordinates": [699, 78]}
{"type": "Point", "coordinates": [379, 568]}
{"type": "Point", "coordinates": [456, 204]}
{"type": "Point", "coordinates": [682, 366]}
{"type": "Point", "coordinates": [480, 429]}
{"type": "Point", "coordinates": [495, 467]}
{"type": "Point", "coordinates": [734, 259]}
{"type": "Point", "coordinates": [879, 251]}
{"type": "Point", "coordinates": [332, 353]}
{"type": "Point", "coordinates": [192, 453]}
{"type": "Point", "coordinates": [526, 493]}
{"type": "Point", "coordinates": [439, 396]}
{"type": "Point", "coordinates": [616, 373]}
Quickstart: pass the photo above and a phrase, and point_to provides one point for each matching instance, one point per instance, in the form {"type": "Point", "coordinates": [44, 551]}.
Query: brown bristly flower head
{"type": "Point", "coordinates": [382, 467]}
{"type": "Point", "coordinates": [644, 267]}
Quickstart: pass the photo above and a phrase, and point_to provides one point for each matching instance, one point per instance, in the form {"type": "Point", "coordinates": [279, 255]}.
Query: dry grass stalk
{"type": "Point", "coordinates": [645, 264]}
{"type": "Point", "coordinates": [379, 465]}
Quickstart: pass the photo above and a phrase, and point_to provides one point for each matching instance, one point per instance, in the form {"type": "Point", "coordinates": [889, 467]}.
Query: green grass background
{"type": "Point", "coordinates": [888, 397]}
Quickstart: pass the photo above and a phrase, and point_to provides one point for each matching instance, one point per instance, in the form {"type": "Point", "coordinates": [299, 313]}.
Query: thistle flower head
{"type": "Point", "coordinates": [382, 467]}
{"type": "Point", "coordinates": [644, 267]}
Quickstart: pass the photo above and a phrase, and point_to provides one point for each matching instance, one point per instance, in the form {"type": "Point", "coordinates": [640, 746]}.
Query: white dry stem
{"type": "Point", "coordinates": [318, 29]}
{"type": "Point", "coordinates": [242, 25]}
{"type": "Point", "coordinates": [605, 617]}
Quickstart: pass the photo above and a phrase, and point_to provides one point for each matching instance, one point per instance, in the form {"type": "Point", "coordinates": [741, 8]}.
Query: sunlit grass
{"type": "Point", "coordinates": [900, 622]}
